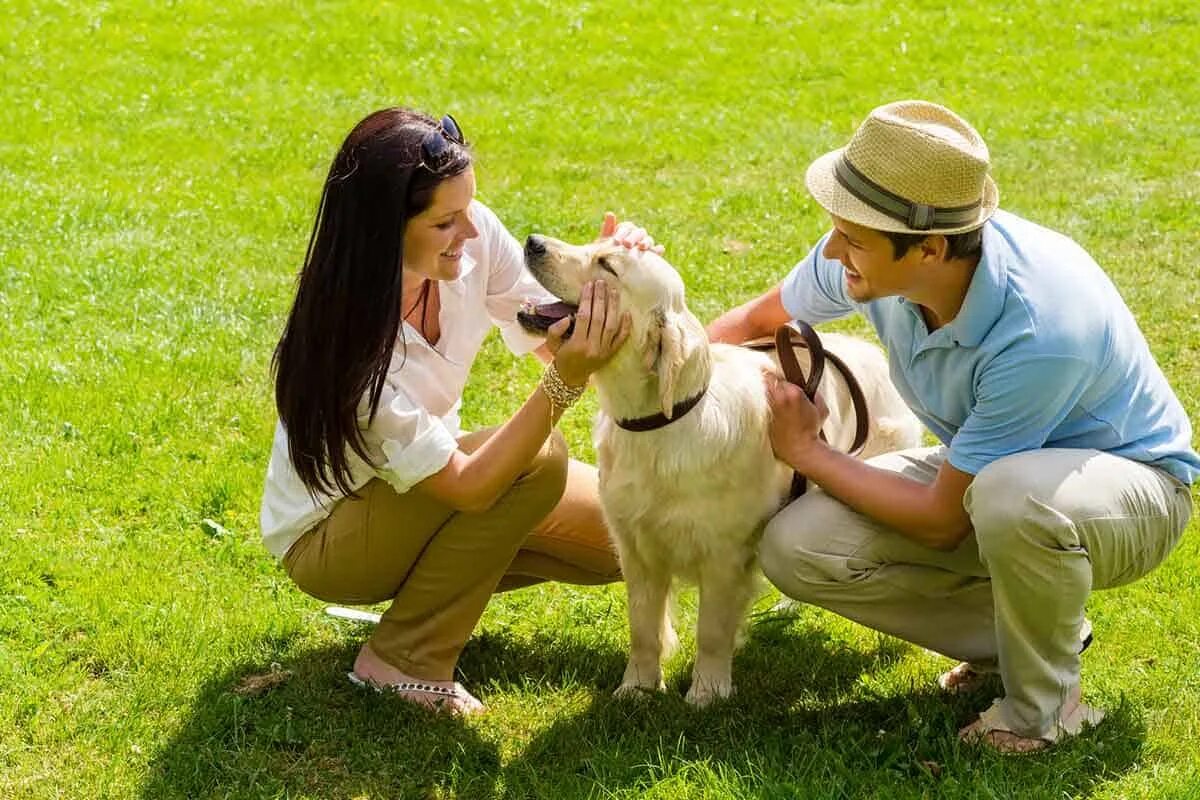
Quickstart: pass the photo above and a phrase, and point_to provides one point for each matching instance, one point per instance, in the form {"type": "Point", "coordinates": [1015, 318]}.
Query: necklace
{"type": "Point", "coordinates": [422, 301]}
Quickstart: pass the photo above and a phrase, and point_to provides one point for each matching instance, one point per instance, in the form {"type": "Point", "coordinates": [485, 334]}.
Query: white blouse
{"type": "Point", "coordinates": [416, 427]}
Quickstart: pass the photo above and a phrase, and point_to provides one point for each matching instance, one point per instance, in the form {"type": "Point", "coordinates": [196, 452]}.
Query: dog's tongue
{"type": "Point", "coordinates": [541, 317]}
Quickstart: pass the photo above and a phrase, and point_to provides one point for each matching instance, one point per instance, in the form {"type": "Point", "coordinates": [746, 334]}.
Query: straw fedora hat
{"type": "Point", "coordinates": [911, 167]}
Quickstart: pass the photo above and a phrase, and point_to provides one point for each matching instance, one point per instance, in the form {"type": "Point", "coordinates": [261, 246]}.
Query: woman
{"type": "Point", "coordinates": [372, 492]}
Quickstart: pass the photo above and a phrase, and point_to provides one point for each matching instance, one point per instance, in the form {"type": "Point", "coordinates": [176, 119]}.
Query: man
{"type": "Point", "coordinates": [1066, 456]}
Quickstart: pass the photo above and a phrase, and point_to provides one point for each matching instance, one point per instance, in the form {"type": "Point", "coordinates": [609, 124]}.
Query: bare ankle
{"type": "Point", "coordinates": [441, 695]}
{"type": "Point", "coordinates": [370, 661]}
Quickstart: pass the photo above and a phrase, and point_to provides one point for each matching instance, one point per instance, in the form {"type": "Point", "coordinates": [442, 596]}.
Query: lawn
{"type": "Point", "coordinates": [160, 165]}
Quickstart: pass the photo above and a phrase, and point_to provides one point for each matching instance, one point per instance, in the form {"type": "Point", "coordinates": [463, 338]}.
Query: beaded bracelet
{"type": "Point", "coordinates": [560, 394]}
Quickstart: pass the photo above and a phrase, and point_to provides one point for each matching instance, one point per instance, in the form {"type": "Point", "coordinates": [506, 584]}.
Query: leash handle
{"type": "Point", "coordinates": [785, 341]}
{"type": "Point", "coordinates": [801, 334]}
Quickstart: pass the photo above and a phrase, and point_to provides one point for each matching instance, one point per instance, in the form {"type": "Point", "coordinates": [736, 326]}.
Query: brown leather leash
{"type": "Point", "coordinates": [800, 334]}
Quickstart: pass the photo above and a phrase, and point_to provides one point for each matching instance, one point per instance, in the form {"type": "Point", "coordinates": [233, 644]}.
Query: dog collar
{"type": "Point", "coordinates": [660, 420]}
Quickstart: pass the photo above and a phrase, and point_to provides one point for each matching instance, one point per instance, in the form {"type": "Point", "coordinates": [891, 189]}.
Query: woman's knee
{"type": "Point", "coordinates": [551, 461]}
{"type": "Point", "coordinates": [545, 479]}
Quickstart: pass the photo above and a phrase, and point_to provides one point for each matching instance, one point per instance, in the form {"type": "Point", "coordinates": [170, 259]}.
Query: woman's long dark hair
{"type": "Point", "coordinates": [343, 325]}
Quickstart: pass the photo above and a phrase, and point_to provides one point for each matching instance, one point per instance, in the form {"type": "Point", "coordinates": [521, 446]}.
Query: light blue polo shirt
{"type": "Point", "coordinates": [1044, 353]}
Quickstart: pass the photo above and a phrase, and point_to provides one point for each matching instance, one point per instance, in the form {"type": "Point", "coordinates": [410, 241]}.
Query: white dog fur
{"type": "Point", "coordinates": [689, 500]}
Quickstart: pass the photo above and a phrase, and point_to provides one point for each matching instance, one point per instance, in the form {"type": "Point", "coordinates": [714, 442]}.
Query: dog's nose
{"type": "Point", "coordinates": [535, 247]}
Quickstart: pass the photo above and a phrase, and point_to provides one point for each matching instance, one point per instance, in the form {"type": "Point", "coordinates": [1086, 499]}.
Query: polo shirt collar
{"type": "Point", "coordinates": [984, 302]}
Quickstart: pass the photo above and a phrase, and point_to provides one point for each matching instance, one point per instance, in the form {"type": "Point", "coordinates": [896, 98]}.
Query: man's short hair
{"type": "Point", "coordinates": [968, 244]}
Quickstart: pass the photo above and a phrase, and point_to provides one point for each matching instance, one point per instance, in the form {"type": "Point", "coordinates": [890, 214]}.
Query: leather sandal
{"type": "Point", "coordinates": [990, 730]}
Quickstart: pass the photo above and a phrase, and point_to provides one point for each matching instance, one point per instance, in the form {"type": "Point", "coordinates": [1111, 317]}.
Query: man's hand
{"type": "Point", "coordinates": [628, 234]}
{"type": "Point", "coordinates": [796, 421]}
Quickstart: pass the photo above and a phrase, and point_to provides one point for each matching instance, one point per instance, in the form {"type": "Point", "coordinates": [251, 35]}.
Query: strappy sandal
{"type": "Point", "coordinates": [966, 678]}
{"type": "Point", "coordinates": [446, 700]}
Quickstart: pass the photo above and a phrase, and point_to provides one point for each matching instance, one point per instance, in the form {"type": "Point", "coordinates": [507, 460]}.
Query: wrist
{"type": "Point", "coordinates": [803, 454]}
{"type": "Point", "coordinates": [570, 377]}
{"type": "Point", "coordinates": [560, 394]}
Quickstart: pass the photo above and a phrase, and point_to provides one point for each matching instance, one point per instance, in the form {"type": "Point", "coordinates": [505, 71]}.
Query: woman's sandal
{"type": "Point", "coordinates": [455, 700]}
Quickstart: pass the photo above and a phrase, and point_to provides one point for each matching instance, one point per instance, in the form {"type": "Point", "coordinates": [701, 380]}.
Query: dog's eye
{"type": "Point", "coordinates": [602, 262]}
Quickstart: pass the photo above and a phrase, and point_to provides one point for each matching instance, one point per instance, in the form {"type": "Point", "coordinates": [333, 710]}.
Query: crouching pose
{"type": "Point", "coordinates": [373, 493]}
{"type": "Point", "coordinates": [1065, 457]}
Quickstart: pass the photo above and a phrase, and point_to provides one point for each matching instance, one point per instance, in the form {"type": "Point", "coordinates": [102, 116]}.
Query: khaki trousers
{"type": "Point", "coordinates": [439, 566]}
{"type": "Point", "coordinates": [1049, 527]}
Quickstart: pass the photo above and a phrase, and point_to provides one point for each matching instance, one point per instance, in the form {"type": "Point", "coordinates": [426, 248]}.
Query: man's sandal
{"type": "Point", "coordinates": [966, 678]}
{"type": "Point", "coordinates": [438, 698]}
{"type": "Point", "coordinates": [990, 730]}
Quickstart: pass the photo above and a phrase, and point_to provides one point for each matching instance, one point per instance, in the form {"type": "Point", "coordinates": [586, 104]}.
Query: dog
{"type": "Point", "coordinates": [689, 499]}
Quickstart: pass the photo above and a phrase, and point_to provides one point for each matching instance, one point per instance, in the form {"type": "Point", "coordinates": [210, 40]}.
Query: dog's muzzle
{"type": "Point", "coordinates": [537, 318]}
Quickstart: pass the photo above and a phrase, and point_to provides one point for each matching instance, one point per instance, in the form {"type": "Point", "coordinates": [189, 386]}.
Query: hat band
{"type": "Point", "coordinates": [917, 216]}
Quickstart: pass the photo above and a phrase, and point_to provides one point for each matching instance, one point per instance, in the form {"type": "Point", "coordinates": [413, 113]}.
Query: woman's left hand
{"type": "Point", "coordinates": [600, 330]}
{"type": "Point", "coordinates": [628, 234]}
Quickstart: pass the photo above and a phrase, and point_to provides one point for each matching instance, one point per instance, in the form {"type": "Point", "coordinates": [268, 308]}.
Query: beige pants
{"type": "Point", "coordinates": [1049, 527]}
{"type": "Point", "coordinates": [439, 566]}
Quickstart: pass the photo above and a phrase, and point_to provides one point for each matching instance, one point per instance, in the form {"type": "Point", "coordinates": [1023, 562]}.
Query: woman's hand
{"type": "Point", "coordinates": [628, 234]}
{"type": "Point", "coordinates": [795, 420]}
{"type": "Point", "coordinates": [600, 329]}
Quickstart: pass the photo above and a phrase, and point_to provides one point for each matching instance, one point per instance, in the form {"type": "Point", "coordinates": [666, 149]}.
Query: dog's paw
{"type": "Point", "coordinates": [704, 693]}
{"type": "Point", "coordinates": [636, 691]}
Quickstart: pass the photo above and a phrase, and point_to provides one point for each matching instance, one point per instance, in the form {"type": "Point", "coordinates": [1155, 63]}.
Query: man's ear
{"type": "Point", "coordinates": [935, 247]}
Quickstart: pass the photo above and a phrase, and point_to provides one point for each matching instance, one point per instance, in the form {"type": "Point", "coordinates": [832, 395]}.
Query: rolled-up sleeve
{"type": "Point", "coordinates": [815, 290]}
{"type": "Point", "coordinates": [409, 443]}
{"type": "Point", "coordinates": [509, 283]}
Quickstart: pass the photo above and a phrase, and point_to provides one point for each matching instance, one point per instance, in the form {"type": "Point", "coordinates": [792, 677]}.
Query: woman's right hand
{"type": "Point", "coordinates": [600, 329]}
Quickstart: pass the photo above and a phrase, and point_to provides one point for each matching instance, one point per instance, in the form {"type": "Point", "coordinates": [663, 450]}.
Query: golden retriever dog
{"type": "Point", "coordinates": [689, 499]}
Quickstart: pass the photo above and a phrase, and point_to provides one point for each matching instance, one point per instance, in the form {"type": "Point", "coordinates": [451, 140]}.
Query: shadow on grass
{"type": "Point", "coordinates": [316, 735]}
{"type": "Point", "coordinates": [801, 727]}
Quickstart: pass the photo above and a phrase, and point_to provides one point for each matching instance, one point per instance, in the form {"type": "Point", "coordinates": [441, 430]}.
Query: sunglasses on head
{"type": "Point", "coordinates": [436, 144]}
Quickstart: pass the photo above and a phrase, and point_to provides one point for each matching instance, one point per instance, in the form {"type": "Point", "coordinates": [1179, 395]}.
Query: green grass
{"type": "Point", "coordinates": [160, 165]}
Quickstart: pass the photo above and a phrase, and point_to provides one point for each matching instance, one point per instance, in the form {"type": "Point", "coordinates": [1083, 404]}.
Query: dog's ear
{"type": "Point", "coordinates": [665, 354]}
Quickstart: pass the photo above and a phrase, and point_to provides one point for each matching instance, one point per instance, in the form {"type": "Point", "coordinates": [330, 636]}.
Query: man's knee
{"type": "Point", "coordinates": [1008, 506]}
{"type": "Point", "coordinates": [798, 552]}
